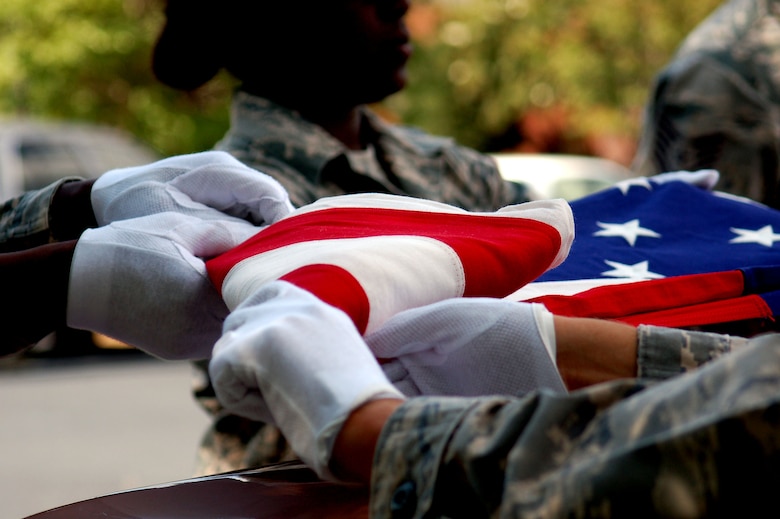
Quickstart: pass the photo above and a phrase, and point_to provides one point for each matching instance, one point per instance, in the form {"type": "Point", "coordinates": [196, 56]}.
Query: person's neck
{"type": "Point", "coordinates": [345, 126]}
{"type": "Point", "coordinates": [341, 119]}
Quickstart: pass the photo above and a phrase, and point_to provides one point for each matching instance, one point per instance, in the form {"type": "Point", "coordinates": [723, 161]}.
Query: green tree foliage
{"type": "Point", "coordinates": [89, 60]}
{"type": "Point", "coordinates": [479, 65]}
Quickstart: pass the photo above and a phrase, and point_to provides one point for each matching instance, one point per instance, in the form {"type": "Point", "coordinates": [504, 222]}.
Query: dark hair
{"type": "Point", "coordinates": [189, 50]}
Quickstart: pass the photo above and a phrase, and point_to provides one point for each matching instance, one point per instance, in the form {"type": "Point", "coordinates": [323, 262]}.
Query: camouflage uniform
{"type": "Point", "coordinates": [311, 164]}
{"type": "Point", "coordinates": [717, 104]}
{"type": "Point", "coordinates": [703, 444]}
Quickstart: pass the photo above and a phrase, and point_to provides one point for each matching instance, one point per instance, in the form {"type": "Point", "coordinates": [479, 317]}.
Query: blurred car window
{"type": "Point", "coordinates": [44, 161]}
{"type": "Point", "coordinates": [34, 154]}
{"type": "Point", "coordinates": [560, 176]}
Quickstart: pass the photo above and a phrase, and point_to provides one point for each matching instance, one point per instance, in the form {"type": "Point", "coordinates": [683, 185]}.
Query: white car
{"type": "Point", "coordinates": [560, 176]}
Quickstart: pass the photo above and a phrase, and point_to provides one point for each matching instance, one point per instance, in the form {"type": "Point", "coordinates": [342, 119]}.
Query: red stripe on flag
{"type": "Point", "coordinates": [642, 297]}
{"type": "Point", "coordinates": [716, 312]}
{"type": "Point", "coordinates": [499, 254]}
{"type": "Point", "coordinates": [331, 284]}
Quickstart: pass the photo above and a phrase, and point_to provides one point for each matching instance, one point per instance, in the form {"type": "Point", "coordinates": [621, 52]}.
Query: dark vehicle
{"type": "Point", "coordinates": [282, 491]}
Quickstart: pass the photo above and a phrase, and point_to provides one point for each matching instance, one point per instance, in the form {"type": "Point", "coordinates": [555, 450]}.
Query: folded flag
{"type": "Point", "coordinates": [670, 254]}
{"type": "Point", "coordinates": [374, 255]}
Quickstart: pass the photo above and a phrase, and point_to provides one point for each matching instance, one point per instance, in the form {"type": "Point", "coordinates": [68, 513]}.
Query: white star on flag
{"type": "Point", "coordinates": [628, 231]}
{"type": "Point", "coordinates": [636, 271]}
{"type": "Point", "coordinates": [742, 281]}
{"type": "Point", "coordinates": [764, 236]}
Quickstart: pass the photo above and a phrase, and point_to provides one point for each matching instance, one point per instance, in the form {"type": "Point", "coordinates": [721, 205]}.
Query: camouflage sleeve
{"type": "Point", "coordinates": [700, 444]}
{"type": "Point", "coordinates": [666, 352]}
{"type": "Point", "coordinates": [410, 452]}
{"type": "Point", "coordinates": [24, 220]}
{"type": "Point", "coordinates": [703, 115]}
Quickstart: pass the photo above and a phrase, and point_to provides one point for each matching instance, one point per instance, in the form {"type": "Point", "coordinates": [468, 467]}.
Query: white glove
{"type": "Point", "coordinates": [290, 359]}
{"type": "Point", "coordinates": [141, 281]}
{"type": "Point", "coordinates": [204, 185]}
{"type": "Point", "coordinates": [469, 347]}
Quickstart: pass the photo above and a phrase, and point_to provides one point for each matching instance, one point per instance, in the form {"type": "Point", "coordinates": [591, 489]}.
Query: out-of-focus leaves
{"type": "Point", "coordinates": [90, 60]}
{"type": "Point", "coordinates": [481, 64]}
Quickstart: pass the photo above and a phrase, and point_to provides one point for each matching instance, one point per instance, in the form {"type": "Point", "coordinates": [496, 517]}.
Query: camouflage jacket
{"type": "Point", "coordinates": [311, 164]}
{"type": "Point", "coordinates": [700, 445]}
{"type": "Point", "coordinates": [717, 103]}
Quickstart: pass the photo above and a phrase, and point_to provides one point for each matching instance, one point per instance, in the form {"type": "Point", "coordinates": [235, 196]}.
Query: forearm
{"type": "Point", "coordinates": [353, 451]}
{"type": "Point", "coordinates": [35, 285]}
{"type": "Point", "coordinates": [591, 351]}
{"type": "Point", "coordinates": [60, 211]}
{"type": "Point", "coordinates": [70, 212]}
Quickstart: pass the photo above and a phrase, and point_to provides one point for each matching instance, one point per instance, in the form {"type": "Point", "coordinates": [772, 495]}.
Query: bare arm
{"type": "Point", "coordinates": [353, 452]}
{"type": "Point", "coordinates": [70, 212]}
{"type": "Point", "coordinates": [590, 351]}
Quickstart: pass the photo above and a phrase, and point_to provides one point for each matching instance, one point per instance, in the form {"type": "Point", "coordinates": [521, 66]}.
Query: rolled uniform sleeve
{"type": "Point", "coordinates": [24, 220]}
{"type": "Point", "coordinates": [663, 353]}
{"type": "Point", "coordinates": [406, 465]}
{"type": "Point", "coordinates": [697, 445]}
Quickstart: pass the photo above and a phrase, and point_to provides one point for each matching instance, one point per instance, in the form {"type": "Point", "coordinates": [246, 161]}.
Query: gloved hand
{"type": "Point", "coordinates": [142, 282]}
{"type": "Point", "coordinates": [469, 347]}
{"type": "Point", "coordinates": [288, 358]}
{"type": "Point", "coordinates": [205, 185]}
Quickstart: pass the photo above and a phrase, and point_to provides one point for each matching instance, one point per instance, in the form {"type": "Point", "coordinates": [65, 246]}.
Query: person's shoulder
{"type": "Point", "coordinates": [427, 143]}
{"type": "Point", "coordinates": [734, 48]}
{"type": "Point", "coordinates": [254, 115]}
{"type": "Point", "coordinates": [732, 25]}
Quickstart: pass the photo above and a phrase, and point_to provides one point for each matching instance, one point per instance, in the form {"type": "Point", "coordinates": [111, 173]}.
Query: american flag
{"type": "Point", "coordinates": [374, 255]}
{"type": "Point", "coordinates": [666, 253]}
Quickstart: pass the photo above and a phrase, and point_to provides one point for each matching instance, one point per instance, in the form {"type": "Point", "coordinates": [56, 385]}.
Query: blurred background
{"type": "Point", "coordinates": [77, 96]}
{"type": "Point", "coordinates": [75, 428]}
{"type": "Point", "coordinates": [530, 75]}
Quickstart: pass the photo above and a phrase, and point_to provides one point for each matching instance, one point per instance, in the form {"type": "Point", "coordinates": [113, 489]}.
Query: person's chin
{"type": "Point", "coordinates": [379, 97]}
{"type": "Point", "coordinates": [392, 84]}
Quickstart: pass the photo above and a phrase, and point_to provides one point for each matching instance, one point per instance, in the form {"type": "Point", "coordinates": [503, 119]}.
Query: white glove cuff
{"type": "Point", "coordinates": [288, 358]}
{"type": "Point", "coordinates": [546, 325]}
{"type": "Point", "coordinates": [319, 456]}
{"type": "Point", "coordinates": [144, 290]}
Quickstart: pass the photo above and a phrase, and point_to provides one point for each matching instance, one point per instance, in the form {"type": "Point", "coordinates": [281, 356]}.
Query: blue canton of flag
{"type": "Point", "coordinates": [641, 229]}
